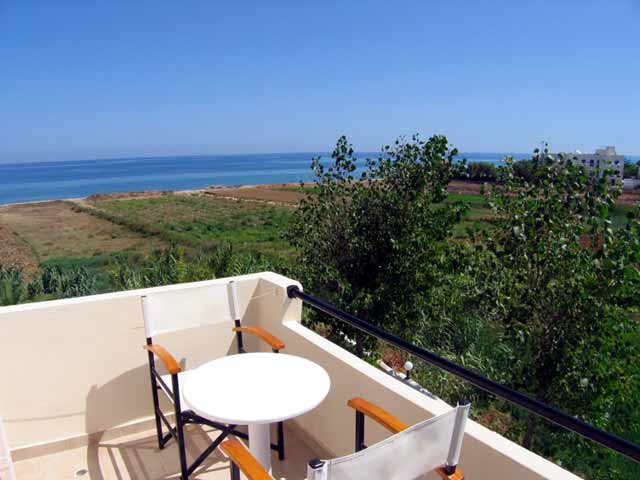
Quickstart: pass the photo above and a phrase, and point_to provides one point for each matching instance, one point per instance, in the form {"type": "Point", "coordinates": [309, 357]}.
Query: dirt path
{"type": "Point", "coordinates": [15, 252]}
{"type": "Point", "coordinates": [282, 193]}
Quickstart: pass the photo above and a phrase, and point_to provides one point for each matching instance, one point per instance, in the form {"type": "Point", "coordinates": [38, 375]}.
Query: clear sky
{"type": "Point", "coordinates": [131, 78]}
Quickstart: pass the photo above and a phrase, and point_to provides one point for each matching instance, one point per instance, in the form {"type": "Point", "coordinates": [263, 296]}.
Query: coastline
{"type": "Point", "coordinates": [284, 192]}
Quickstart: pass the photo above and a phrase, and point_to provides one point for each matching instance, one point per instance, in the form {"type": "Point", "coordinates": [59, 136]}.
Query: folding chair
{"type": "Point", "coordinates": [181, 309]}
{"type": "Point", "coordinates": [411, 453]}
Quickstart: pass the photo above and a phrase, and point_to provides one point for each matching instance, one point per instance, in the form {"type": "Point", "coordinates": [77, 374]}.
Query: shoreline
{"type": "Point", "coordinates": [267, 192]}
{"type": "Point", "coordinates": [131, 195]}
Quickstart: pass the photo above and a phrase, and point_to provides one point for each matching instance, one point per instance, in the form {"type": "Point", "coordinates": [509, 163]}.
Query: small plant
{"type": "Point", "coordinates": [11, 285]}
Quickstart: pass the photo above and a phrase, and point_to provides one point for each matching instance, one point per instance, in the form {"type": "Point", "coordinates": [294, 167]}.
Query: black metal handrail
{"type": "Point", "coordinates": [573, 424]}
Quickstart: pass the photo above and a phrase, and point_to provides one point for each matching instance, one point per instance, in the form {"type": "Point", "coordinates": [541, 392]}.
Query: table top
{"type": "Point", "coordinates": [255, 388]}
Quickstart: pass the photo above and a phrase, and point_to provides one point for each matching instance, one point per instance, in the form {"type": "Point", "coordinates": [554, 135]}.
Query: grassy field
{"type": "Point", "coordinates": [199, 221]}
{"type": "Point", "coordinates": [53, 230]}
{"type": "Point", "coordinates": [479, 213]}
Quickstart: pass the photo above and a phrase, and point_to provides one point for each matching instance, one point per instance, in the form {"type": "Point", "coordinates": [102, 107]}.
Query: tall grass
{"type": "Point", "coordinates": [51, 282]}
{"type": "Point", "coordinates": [11, 285]}
{"type": "Point", "coordinates": [174, 265]}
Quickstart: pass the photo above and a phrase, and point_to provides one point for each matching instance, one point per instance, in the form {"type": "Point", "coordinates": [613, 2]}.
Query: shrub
{"type": "Point", "coordinates": [482, 171]}
{"type": "Point", "coordinates": [11, 285]}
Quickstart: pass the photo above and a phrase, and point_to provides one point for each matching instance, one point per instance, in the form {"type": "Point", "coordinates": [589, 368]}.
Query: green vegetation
{"type": "Point", "coordinates": [480, 171]}
{"type": "Point", "coordinates": [51, 282]}
{"type": "Point", "coordinates": [11, 286]}
{"type": "Point", "coordinates": [566, 287]}
{"type": "Point", "coordinates": [631, 170]}
{"type": "Point", "coordinates": [201, 222]}
{"type": "Point", "coordinates": [174, 265]}
{"type": "Point", "coordinates": [545, 300]}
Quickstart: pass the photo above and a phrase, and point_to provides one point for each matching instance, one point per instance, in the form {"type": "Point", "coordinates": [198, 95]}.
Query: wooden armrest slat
{"type": "Point", "coordinates": [272, 340]}
{"type": "Point", "coordinates": [239, 455]}
{"type": "Point", "coordinates": [167, 359]}
{"type": "Point", "coordinates": [378, 414]}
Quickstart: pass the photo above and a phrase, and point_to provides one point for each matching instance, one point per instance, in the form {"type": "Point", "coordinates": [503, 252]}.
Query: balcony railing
{"type": "Point", "coordinates": [558, 417]}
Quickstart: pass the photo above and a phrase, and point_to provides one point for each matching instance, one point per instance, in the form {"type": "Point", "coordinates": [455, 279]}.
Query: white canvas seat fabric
{"type": "Point", "coordinates": [407, 455]}
{"type": "Point", "coordinates": [189, 307]}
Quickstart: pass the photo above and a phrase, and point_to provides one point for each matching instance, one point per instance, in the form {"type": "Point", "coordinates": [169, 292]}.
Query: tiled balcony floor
{"type": "Point", "coordinates": [137, 457]}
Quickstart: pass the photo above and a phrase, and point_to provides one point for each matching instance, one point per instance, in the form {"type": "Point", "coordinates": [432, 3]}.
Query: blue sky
{"type": "Point", "coordinates": [132, 78]}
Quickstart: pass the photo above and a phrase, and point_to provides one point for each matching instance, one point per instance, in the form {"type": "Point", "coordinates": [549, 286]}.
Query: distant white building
{"type": "Point", "coordinates": [604, 159]}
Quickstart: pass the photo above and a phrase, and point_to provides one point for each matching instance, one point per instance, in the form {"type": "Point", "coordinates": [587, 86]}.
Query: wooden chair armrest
{"type": "Point", "coordinates": [376, 413]}
{"type": "Point", "coordinates": [272, 340]}
{"type": "Point", "coordinates": [167, 359]}
{"type": "Point", "coordinates": [246, 462]}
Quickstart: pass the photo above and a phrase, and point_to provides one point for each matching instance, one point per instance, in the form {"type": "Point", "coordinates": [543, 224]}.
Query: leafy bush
{"type": "Point", "coordinates": [484, 171]}
{"type": "Point", "coordinates": [522, 169]}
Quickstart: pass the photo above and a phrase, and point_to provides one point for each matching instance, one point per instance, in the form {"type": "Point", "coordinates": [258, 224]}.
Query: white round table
{"type": "Point", "coordinates": [256, 389]}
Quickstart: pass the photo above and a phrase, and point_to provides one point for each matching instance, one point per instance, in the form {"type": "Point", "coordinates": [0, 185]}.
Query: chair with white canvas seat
{"type": "Point", "coordinates": [177, 310]}
{"type": "Point", "coordinates": [411, 453]}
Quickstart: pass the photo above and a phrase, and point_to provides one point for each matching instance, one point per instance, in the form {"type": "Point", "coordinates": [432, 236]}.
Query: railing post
{"type": "Point", "coordinates": [359, 431]}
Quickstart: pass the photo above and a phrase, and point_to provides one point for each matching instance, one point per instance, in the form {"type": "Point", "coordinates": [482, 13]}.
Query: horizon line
{"type": "Point", "coordinates": [310, 152]}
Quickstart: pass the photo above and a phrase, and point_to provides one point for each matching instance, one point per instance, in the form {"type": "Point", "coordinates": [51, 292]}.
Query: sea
{"type": "Point", "coordinates": [36, 181]}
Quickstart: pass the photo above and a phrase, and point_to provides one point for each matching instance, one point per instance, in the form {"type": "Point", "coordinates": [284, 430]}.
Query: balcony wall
{"type": "Point", "coordinates": [75, 371]}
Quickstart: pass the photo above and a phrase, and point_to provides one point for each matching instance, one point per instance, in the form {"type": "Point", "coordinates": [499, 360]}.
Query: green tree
{"type": "Point", "coordinates": [370, 243]}
{"type": "Point", "coordinates": [574, 290]}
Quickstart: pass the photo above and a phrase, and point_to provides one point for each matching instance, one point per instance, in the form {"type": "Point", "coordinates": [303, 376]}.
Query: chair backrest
{"type": "Point", "coordinates": [189, 307]}
{"type": "Point", "coordinates": [407, 455]}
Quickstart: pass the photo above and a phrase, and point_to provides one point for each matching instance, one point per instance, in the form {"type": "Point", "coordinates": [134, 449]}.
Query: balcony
{"type": "Point", "coordinates": [75, 396]}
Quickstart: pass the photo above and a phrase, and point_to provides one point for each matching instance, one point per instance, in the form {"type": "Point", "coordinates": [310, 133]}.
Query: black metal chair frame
{"type": "Point", "coordinates": [189, 417]}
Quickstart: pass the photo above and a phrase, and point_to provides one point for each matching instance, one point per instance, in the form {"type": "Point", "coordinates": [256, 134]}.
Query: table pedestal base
{"type": "Point", "coordinates": [260, 444]}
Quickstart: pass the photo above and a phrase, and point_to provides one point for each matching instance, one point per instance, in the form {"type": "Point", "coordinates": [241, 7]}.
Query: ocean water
{"type": "Point", "coordinates": [25, 182]}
